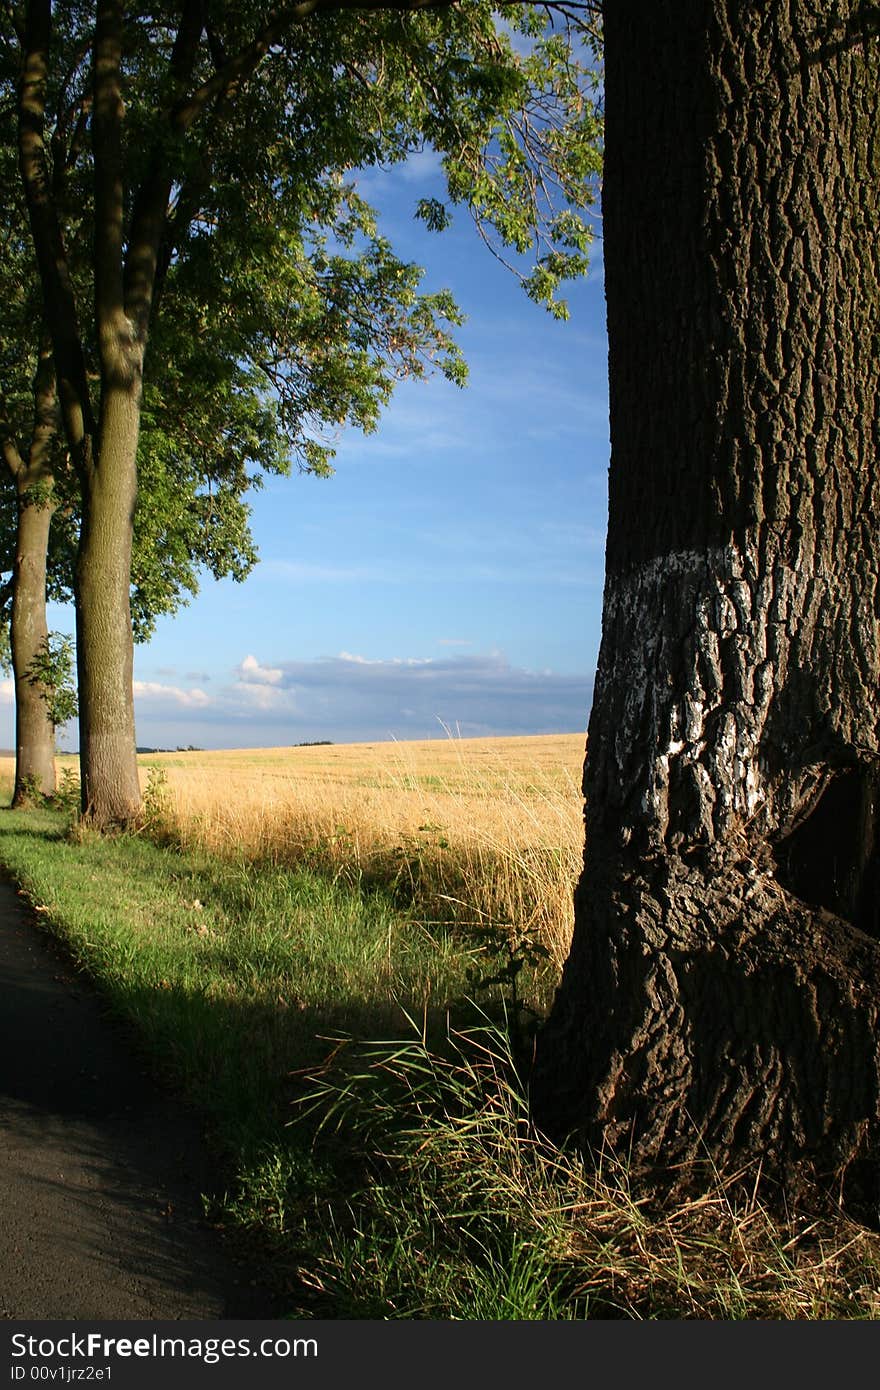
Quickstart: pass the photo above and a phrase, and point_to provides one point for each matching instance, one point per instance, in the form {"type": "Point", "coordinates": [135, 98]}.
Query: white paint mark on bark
{"type": "Point", "coordinates": [699, 640]}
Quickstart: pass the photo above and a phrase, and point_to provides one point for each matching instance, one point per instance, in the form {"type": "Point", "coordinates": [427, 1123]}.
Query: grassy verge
{"type": "Point", "coordinates": [370, 1130]}
{"type": "Point", "coordinates": [234, 975]}
{"type": "Point", "coordinates": [479, 835]}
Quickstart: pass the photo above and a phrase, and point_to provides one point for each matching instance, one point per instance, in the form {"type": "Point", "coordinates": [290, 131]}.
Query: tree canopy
{"type": "Point", "coordinates": [209, 270]}
{"type": "Point", "coordinates": [284, 313]}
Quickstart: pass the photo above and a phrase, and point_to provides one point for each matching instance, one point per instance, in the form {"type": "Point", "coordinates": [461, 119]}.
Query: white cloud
{"type": "Point", "coordinates": [250, 672]}
{"type": "Point", "coordinates": [358, 660]}
{"type": "Point", "coordinates": [386, 661]}
{"type": "Point", "coordinates": [354, 697]}
{"type": "Point", "coordinates": [420, 166]}
{"type": "Point", "coordinates": [254, 696]}
{"type": "Point", "coordinates": [188, 699]}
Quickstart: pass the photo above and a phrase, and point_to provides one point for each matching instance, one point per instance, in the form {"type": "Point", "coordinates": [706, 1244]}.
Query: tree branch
{"type": "Point", "coordinates": [57, 287]}
{"type": "Point", "coordinates": [10, 17]}
{"type": "Point", "coordinates": [46, 412]}
{"type": "Point", "coordinates": [9, 448]}
{"type": "Point", "coordinates": [107, 120]}
{"type": "Point", "coordinates": [243, 64]}
{"type": "Point", "coordinates": [231, 72]}
{"type": "Point", "coordinates": [150, 214]}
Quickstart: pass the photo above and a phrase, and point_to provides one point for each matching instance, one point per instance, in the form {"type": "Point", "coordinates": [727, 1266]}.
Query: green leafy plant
{"type": "Point", "coordinates": [413, 855]}
{"type": "Point", "coordinates": [158, 811]}
{"type": "Point", "coordinates": [509, 952]}
{"type": "Point", "coordinates": [67, 796]}
{"type": "Point", "coordinates": [31, 790]}
{"type": "Point", "coordinates": [51, 671]}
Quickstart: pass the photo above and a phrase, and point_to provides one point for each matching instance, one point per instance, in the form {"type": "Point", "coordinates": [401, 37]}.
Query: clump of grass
{"type": "Point", "coordinates": [469, 1213]}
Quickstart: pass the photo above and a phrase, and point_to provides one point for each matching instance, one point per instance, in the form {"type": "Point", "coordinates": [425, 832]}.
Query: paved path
{"type": "Point", "coordinates": [100, 1171]}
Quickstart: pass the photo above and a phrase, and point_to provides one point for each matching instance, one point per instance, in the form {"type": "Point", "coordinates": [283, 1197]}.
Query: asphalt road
{"type": "Point", "coordinates": [100, 1169]}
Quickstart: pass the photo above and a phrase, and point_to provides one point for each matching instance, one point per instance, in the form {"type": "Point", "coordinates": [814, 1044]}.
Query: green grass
{"type": "Point", "coordinates": [234, 975]}
{"type": "Point", "coordinates": [371, 1133]}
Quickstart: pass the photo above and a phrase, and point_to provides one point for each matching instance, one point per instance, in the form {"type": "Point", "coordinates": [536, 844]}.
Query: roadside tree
{"type": "Point", "coordinates": [32, 446]}
{"type": "Point", "coordinates": [722, 993]}
{"type": "Point", "coordinates": [208, 438]}
{"type": "Point", "coordinates": [212, 148]}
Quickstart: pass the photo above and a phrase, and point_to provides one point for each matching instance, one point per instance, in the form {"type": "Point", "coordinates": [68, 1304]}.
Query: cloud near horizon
{"type": "Point", "coordinates": [173, 694]}
{"type": "Point", "coordinates": [351, 697]}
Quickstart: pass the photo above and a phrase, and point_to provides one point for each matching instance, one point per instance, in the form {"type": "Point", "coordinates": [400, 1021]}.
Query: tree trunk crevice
{"type": "Point", "coordinates": [830, 859]}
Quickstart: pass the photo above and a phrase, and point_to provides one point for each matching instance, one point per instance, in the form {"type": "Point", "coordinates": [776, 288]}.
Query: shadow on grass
{"type": "Point", "coordinates": [241, 1064]}
{"type": "Point", "coordinates": [248, 1070]}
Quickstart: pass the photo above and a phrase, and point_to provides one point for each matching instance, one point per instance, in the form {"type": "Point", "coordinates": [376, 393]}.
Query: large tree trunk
{"type": "Point", "coordinates": [722, 995]}
{"type": "Point", "coordinates": [105, 652]}
{"type": "Point", "coordinates": [108, 466]}
{"type": "Point", "coordinates": [34, 730]}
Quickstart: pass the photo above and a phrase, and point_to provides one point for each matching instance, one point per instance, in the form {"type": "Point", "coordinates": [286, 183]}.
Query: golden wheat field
{"type": "Point", "coordinates": [485, 831]}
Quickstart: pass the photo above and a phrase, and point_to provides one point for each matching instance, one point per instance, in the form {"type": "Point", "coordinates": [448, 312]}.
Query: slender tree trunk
{"type": "Point", "coordinates": [34, 730]}
{"type": "Point", "coordinates": [722, 994]}
{"type": "Point", "coordinates": [34, 481]}
{"type": "Point", "coordinates": [105, 651]}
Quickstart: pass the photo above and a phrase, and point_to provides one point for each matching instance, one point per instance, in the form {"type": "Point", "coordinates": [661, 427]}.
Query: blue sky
{"type": "Point", "coordinates": [449, 574]}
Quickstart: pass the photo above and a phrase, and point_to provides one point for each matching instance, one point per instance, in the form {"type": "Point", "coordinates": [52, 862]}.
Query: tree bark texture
{"type": "Point", "coordinates": [108, 474]}
{"type": "Point", "coordinates": [34, 481]}
{"type": "Point", "coordinates": [105, 650]}
{"type": "Point", "coordinates": [722, 993]}
{"type": "Point", "coordinates": [34, 730]}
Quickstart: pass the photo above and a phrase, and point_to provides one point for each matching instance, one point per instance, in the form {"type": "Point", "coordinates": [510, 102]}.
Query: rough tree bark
{"type": "Point", "coordinates": [108, 471]}
{"type": "Point", "coordinates": [104, 644]}
{"type": "Point", "coordinates": [33, 479]}
{"type": "Point", "coordinates": [34, 730]}
{"type": "Point", "coordinates": [722, 994]}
